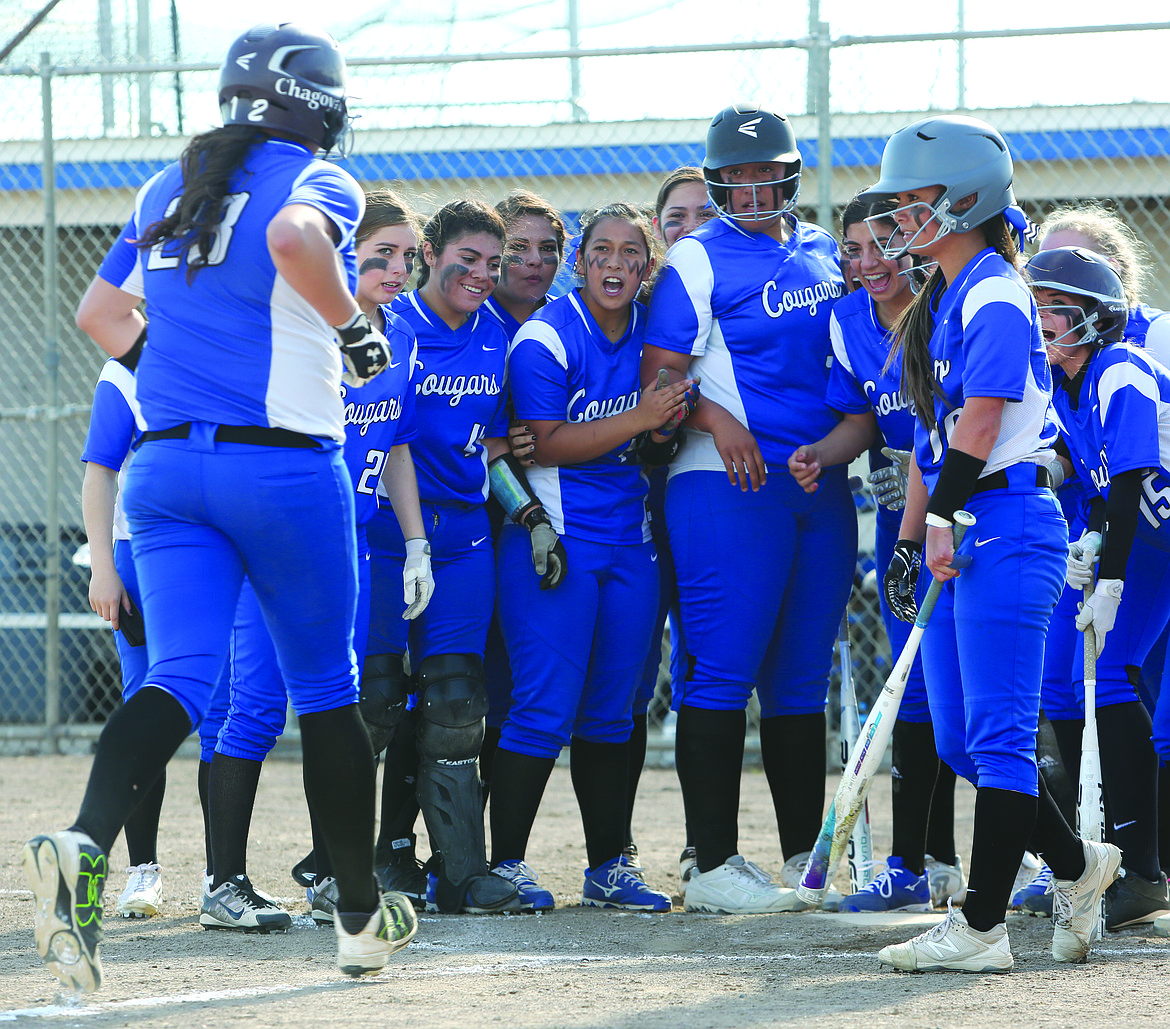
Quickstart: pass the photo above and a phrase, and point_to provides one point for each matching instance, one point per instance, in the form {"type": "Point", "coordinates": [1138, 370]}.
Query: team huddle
{"type": "Point", "coordinates": [449, 525]}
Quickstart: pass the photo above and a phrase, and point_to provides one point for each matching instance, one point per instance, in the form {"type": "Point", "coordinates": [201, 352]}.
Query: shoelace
{"type": "Point", "coordinates": [943, 927]}
{"type": "Point", "coordinates": [1062, 907]}
{"type": "Point", "coordinates": [139, 875]}
{"type": "Point", "coordinates": [756, 872]}
{"type": "Point", "coordinates": [522, 875]}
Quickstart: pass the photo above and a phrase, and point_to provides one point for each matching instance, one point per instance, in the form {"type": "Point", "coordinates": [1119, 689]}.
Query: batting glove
{"type": "Point", "coordinates": [888, 485]}
{"type": "Point", "coordinates": [690, 402]}
{"type": "Point", "coordinates": [902, 578]}
{"type": "Point", "coordinates": [1082, 556]}
{"type": "Point", "coordinates": [417, 581]}
{"type": "Point", "coordinates": [548, 553]}
{"type": "Point", "coordinates": [1100, 610]}
{"type": "Point", "coordinates": [364, 350]}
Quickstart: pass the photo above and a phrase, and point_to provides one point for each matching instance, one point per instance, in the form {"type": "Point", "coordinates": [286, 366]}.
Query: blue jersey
{"type": "Point", "coordinates": [1121, 422]}
{"type": "Point", "coordinates": [562, 367]}
{"type": "Point", "coordinates": [115, 422]}
{"type": "Point", "coordinates": [238, 345]}
{"type": "Point", "coordinates": [459, 389]}
{"type": "Point", "coordinates": [857, 382]}
{"type": "Point", "coordinates": [987, 343]}
{"type": "Point", "coordinates": [1150, 328]}
{"type": "Point", "coordinates": [509, 324]}
{"type": "Point", "coordinates": [379, 416]}
{"type": "Point", "coordinates": [754, 315]}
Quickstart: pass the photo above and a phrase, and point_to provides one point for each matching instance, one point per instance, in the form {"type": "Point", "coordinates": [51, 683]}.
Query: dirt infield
{"type": "Point", "coordinates": [572, 967]}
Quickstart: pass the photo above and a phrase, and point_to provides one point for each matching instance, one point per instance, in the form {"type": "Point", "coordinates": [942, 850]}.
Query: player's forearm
{"type": "Point", "coordinates": [914, 513]}
{"type": "Point", "coordinates": [847, 440]}
{"type": "Point", "coordinates": [99, 490]}
{"type": "Point", "coordinates": [575, 442]}
{"type": "Point", "coordinates": [300, 242]}
{"type": "Point", "coordinates": [401, 485]}
{"type": "Point", "coordinates": [110, 317]}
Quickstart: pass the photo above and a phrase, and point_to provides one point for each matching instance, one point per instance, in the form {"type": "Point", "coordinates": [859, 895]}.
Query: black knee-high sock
{"type": "Point", "coordinates": [132, 751]}
{"type": "Point", "coordinates": [708, 756]}
{"type": "Point", "coordinates": [1164, 816]}
{"type": "Point", "coordinates": [142, 826]}
{"type": "Point", "coordinates": [399, 790]}
{"type": "Point", "coordinates": [520, 783]}
{"type": "Point", "coordinates": [1129, 769]}
{"type": "Point", "coordinates": [940, 828]}
{"type": "Point", "coordinates": [913, 776]}
{"type": "Point", "coordinates": [793, 751]}
{"type": "Point", "coordinates": [232, 794]}
{"type": "Point", "coordinates": [487, 757]}
{"type": "Point", "coordinates": [1003, 824]}
{"type": "Point", "coordinates": [636, 763]}
{"type": "Point", "coordinates": [205, 804]}
{"type": "Point", "coordinates": [1051, 761]}
{"type": "Point", "coordinates": [1068, 732]}
{"type": "Point", "coordinates": [339, 784]}
{"type": "Point", "coordinates": [322, 866]}
{"type": "Point", "coordinates": [1054, 840]}
{"type": "Point", "coordinates": [599, 773]}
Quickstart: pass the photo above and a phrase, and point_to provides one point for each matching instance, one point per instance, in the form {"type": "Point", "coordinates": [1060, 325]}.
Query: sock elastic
{"type": "Point", "coordinates": [1003, 824]}
{"type": "Point", "coordinates": [792, 748]}
{"type": "Point", "coordinates": [637, 762]}
{"type": "Point", "coordinates": [912, 779]}
{"type": "Point", "coordinates": [1129, 769]}
{"type": "Point", "coordinates": [708, 756]}
{"type": "Point", "coordinates": [339, 764]}
{"type": "Point", "coordinates": [232, 793]}
{"type": "Point", "coordinates": [1053, 740]}
{"type": "Point", "coordinates": [132, 751]}
{"type": "Point", "coordinates": [599, 773]}
{"type": "Point", "coordinates": [520, 782]}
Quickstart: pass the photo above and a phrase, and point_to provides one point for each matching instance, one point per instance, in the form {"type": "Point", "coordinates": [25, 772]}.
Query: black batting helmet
{"type": "Point", "coordinates": [1082, 273]}
{"type": "Point", "coordinates": [747, 134]}
{"type": "Point", "coordinates": [287, 78]}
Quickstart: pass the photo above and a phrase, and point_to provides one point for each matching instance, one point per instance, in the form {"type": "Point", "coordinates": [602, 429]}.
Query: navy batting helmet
{"type": "Point", "coordinates": [287, 78]}
{"type": "Point", "coordinates": [1084, 274]}
{"type": "Point", "coordinates": [747, 134]}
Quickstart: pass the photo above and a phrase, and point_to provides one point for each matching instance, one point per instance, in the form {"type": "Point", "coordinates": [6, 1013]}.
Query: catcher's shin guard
{"type": "Point", "coordinates": [452, 704]}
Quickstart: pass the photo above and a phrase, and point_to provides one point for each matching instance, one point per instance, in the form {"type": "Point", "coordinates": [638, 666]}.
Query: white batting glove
{"type": "Point", "coordinates": [1082, 557]}
{"type": "Point", "coordinates": [888, 485]}
{"type": "Point", "coordinates": [417, 581]}
{"type": "Point", "coordinates": [365, 352]}
{"type": "Point", "coordinates": [1100, 610]}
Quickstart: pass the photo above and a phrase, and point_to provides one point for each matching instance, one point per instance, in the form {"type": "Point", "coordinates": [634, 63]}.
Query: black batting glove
{"type": "Point", "coordinates": [902, 578]}
{"type": "Point", "coordinates": [364, 350]}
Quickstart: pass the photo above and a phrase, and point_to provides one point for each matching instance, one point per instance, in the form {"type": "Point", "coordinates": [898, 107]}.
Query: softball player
{"type": "Point", "coordinates": [577, 651]}
{"type": "Point", "coordinates": [1114, 404]}
{"type": "Point", "coordinates": [764, 569]}
{"type": "Point", "coordinates": [682, 205]}
{"type": "Point", "coordinates": [874, 410]}
{"type": "Point", "coordinates": [239, 473]}
{"type": "Point", "coordinates": [460, 403]}
{"type": "Point", "coordinates": [379, 424]}
{"type": "Point", "coordinates": [115, 422]}
{"type": "Point", "coordinates": [973, 364]}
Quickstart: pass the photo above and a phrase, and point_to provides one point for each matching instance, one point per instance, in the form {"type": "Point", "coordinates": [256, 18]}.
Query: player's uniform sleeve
{"type": "Point", "coordinates": [680, 306]}
{"type": "Point", "coordinates": [1127, 395]}
{"type": "Point", "coordinates": [1157, 341]}
{"type": "Point", "coordinates": [994, 310]}
{"type": "Point", "coordinates": [113, 420]}
{"type": "Point", "coordinates": [538, 372]}
{"type": "Point", "coordinates": [120, 267]}
{"type": "Point", "coordinates": [333, 192]}
{"type": "Point", "coordinates": [498, 424]}
{"type": "Point", "coordinates": [844, 392]}
{"type": "Point", "coordinates": [407, 423]}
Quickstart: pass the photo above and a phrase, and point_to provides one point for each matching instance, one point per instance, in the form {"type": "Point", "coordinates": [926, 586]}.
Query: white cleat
{"type": "Point", "coordinates": [390, 928]}
{"type": "Point", "coordinates": [1076, 904]}
{"type": "Point", "coordinates": [142, 897]}
{"type": "Point", "coordinates": [952, 946]}
{"type": "Point", "coordinates": [739, 887]}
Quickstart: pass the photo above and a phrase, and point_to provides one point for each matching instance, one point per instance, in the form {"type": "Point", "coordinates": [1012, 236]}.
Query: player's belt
{"type": "Point", "coordinates": [257, 435]}
{"type": "Point", "coordinates": [1000, 479]}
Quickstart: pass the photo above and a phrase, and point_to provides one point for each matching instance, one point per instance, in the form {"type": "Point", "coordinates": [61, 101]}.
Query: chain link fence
{"type": "Point", "coordinates": [478, 100]}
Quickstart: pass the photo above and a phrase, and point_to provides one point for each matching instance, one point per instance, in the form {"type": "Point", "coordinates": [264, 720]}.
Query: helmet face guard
{"type": "Point", "coordinates": [965, 156]}
{"type": "Point", "coordinates": [1083, 274]}
{"type": "Point", "coordinates": [289, 79]}
{"type": "Point", "coordinates": [746, 134]}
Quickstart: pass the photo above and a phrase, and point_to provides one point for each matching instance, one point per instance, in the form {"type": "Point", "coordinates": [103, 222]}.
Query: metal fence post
{"type": "Point", "coordinates": [819, 58]}
{"type": "Point", "coordinates": [52, 397]}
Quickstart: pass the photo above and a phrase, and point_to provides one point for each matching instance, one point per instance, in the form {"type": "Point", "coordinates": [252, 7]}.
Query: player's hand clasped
{"type": "Point", "coordinates": [888, 485]}
{"type": "Point", "coordinates": [805, 465]}
{"type": "Point", "coordinates": [417, 581]}
{"type": "Point", "coordinates": [364, 350]}
{"type": "Point", "coordinates": [1100, 610]}
{"type": "Point", "coordinates": [902, 579]}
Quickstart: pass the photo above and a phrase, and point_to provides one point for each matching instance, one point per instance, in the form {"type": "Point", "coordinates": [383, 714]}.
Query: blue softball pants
{"type": "Point", "coordinates": [763, 579]}
{"type": "Point", "coordinates": [203, 515]}
{"type": "Point", "coordinates": [577, 651]}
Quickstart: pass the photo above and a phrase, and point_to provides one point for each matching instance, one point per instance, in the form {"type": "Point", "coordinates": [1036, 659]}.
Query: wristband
{"type": "Point", "coordinates": [417, 545]}
{"type": "Point", "coordinates": [956, 482]}
{"type": "Point", "coordinates": [654, 453]}
{"type": "Point", "coordinates": [129, 360]}
{"type": "Point", "coordinates": [937, 521]}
